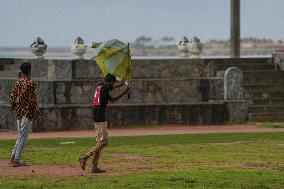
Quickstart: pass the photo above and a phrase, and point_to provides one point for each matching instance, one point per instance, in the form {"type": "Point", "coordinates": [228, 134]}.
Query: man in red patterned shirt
{"type": "Point", "coordinates": [24, 101]}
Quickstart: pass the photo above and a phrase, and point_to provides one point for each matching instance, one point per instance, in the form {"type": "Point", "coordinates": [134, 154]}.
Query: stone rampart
{"type": "Point", "coordinates": [165, 91]}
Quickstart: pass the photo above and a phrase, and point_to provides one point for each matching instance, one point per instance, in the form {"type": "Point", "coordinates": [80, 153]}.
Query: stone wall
{"type": "Point", "coordinates": [66, 117]}
{"type": "Point", "coordinates": [165, 91]}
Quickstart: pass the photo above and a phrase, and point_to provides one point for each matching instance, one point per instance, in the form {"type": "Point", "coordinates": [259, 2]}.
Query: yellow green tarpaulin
{"type": "Point", "coordinates": [113, 56]}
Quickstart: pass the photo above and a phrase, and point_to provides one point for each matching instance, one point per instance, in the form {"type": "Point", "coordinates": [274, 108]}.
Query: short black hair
{"type": "Point", "coordinates": [110, 78]}
{"type": "Point", "coordinates": [25, 68]}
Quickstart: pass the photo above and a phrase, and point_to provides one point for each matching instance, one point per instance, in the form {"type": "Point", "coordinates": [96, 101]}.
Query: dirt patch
{"type": "Point", "coordinates": [7, 170]}
{"type": "Point", "coordinates": [131, 167]}
{"type": "Point", "coordinates": [119, 168]}
{"type": "Point", "coordinates": [43, 170]}
{"type": "Point", "coordinates": [263, 167]}
{"type": "Point", "coordinates": [191, 165]}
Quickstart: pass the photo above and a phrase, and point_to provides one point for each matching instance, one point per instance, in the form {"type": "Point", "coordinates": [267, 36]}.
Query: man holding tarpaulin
{"type": "Point", "coordinates": [113, 58]}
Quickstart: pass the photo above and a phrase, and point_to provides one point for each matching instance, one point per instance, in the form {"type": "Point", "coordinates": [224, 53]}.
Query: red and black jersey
{"type": "Point", "coordinates": [101, 98]}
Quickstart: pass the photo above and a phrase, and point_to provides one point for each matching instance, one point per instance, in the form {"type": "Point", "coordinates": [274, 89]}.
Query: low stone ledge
{"type": "Point", "coordinates": [66, 117]}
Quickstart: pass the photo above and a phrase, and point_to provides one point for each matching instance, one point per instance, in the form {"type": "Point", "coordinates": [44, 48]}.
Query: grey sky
{"type": "Point", "coordinates": [59, 22]}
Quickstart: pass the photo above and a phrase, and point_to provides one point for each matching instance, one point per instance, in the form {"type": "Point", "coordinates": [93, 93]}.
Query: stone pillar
{"type": "Point", "coordinates": [233, 84]}
{"type": "Point", "coordinates": [235, 29]}
{"type": "Point", "coordinates": [237, 111]}
{"type": "Point", "coordinates": [237, 108]}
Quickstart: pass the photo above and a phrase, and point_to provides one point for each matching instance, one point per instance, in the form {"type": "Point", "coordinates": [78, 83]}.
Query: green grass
{"type": "Point", "coordinates": [272, 125]}
{"type": "Point", "coordinates": [199, 178]}
{"type": "Point", "coordinates": [251, 160]}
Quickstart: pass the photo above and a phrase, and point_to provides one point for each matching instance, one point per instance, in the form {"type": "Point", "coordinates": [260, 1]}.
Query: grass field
{"type": "Point", "coordinates": [176, 161]}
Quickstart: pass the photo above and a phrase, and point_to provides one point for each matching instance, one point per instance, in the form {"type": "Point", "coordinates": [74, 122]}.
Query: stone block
{"type": "Point", "coordinates": [7, 117]}
{"type": "Point", "coordinates": [60, 87]}
{"type": "Point", "coordinates": [45, 92]}
{"type": "Point", "coordinates": [59, 69]}
{"type": "Point", "coordinates": [5, 90]}
{"type": "Point", "coordinates": [86, 69]}
{"type": "Point", "coordinates": [237, 111]}
{"type": "Point", "coordinates": [61, 99]}
{"type": "Point", "coordinates": [39, 67]}
{"type": "Point", "coordinates": [76, 90]}
{"type": "Point", "coordinates": [80, 99]}
{"type": "Point", "coordinates": [88, 89]}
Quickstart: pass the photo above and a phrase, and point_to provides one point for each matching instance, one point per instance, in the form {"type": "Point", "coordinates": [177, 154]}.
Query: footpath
{"type": "Point", "coordinates": [155, 130]}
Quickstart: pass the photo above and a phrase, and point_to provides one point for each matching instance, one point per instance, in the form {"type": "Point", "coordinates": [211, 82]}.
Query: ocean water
{"type": "Point", "coordinates": [65, 53]}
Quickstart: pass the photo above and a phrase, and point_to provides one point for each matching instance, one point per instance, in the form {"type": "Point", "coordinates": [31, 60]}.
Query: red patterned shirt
{"type": "Point", "coordinates": [23, 98]}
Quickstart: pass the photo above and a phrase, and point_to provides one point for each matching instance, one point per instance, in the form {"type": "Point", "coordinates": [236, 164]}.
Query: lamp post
{"type": "Point", "coordinates": [235, 29]}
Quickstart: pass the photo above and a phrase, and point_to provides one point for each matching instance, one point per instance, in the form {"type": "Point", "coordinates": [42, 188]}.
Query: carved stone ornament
{"type": "Point", "coordinates": [38, 47]}
{"type": "Point", "coordinates": [195, 47]}
{"type": "Point", "coordinates": [79, 48]}
{"type": "Point", "coordinates": [183, 47]}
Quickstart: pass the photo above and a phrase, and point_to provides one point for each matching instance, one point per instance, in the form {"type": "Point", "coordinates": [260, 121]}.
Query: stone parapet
{"type": "Point", "coordinates": [55, 69]}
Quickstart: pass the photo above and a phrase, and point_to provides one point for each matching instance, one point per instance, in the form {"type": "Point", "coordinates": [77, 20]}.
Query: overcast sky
{"type": "Point", "coordinates": [59, 22]}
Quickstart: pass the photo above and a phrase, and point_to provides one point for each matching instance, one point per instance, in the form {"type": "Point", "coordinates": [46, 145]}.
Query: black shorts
{"type": "Point", "coordinates": [98, 114]}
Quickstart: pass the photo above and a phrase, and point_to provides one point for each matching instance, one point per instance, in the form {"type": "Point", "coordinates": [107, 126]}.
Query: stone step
{"type": "Point", "coordinates": [265, 108]}
{"type": "Point", "coordinates": [263, 80]}
{"type": "Point", "coordinates": [266, 73]}
{"type": "Point", "coordinates": [264, 95]}
{"type": "Point", "coordinates": [263, 75]}
{"type": "Point", "coordinates": [246, 67]}
{"type": "Point", "coordinates": [236, 61]}
{"type": "Point", "coordinates": [256, 74]}
{"type": "Point", "coordinates": [264, 87]}
{"type": "Point", "coordinates": [263, 117]}
{"type": "Point", "coordinates": [262, 101]}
